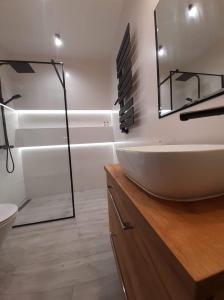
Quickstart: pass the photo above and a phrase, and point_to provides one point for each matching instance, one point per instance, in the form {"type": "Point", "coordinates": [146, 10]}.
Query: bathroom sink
{"type": "Point", "coordinates": [176, 172]}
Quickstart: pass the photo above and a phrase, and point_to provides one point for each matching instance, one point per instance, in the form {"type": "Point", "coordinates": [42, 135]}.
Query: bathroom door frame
{"type": "Point", "coordinates": [63, 83]}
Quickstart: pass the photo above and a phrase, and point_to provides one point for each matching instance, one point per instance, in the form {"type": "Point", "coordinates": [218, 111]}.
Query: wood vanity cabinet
{"type": "Point", "coordinates": [165, 250]}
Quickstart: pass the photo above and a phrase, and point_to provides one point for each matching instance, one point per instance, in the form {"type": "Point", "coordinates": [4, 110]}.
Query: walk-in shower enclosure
{"type": "Point", "coordinates": [38, 134]}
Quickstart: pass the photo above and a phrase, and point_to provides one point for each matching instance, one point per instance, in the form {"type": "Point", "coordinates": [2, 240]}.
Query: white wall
{"type": "Point", "coordinates": [46, 171]}
{"type": "Point", "coordinates": [89, 88]}
{"type": "Point", "coordinates": [89, 84]}
{"type": "Point", "coordinates": [53, 120]}
{"type": "Point", "coordinates": [40, 90]}
{"type": "Point", "coordinates": [148, 128]}
{"type": "Point", "coordinates": [88, 166]}
{"type": "Point", "coordinates": [11, 185]}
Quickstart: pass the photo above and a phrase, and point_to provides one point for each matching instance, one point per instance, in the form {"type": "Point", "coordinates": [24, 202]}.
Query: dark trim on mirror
{"type": "Point", "coordinates": [204, 113]}
{"type": "Point", "coordinates": [218, 94]}
{"type": "Point", "coordinates": [157, 63]}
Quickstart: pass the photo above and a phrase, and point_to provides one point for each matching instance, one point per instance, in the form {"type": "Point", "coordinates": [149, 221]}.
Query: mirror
{"type": "Point", "coordinates": [190, 53]}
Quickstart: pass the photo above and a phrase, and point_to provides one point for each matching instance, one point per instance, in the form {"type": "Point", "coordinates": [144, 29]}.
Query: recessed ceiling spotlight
{"type": "Point", "coordinates": [67, 75]}
{"type": "Point", "coordinates": [57, 40]}
{"type": "Point", "coordinates": [161, 51]}
{"type": "Point", "coordinates": [192, 11]}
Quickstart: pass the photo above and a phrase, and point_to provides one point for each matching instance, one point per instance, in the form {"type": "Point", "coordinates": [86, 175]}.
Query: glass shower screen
{"type": "Point", "coordinates": [37, 127]}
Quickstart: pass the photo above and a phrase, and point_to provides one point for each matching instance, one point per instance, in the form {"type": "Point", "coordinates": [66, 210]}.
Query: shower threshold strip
{"type": "Point", "coordinates": [43, 222]}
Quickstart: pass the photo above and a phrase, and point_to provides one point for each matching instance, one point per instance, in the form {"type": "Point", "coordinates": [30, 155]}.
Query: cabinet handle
{"type": "Point", "coordinates": [124, 225]}
{"type": "Point", "coordinates": [112, 235]}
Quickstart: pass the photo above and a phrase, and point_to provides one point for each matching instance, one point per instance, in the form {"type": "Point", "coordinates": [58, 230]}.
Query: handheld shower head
{"type": "Point", "coordinates": [17, 96]}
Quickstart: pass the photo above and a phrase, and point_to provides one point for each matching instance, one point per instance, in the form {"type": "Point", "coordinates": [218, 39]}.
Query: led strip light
{"type": "Point", "coordinates": [76, 112]}
{"type": "Point", "coordinates": [65, 146]}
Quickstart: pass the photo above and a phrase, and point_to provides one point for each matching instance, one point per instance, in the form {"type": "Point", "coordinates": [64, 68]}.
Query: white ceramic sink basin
{"type": "Point", "coordinates": [176, 172]}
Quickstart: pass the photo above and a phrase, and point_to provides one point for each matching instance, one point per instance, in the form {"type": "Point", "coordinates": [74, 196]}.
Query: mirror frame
{"type": "Point", "coordinates": [204, 99]}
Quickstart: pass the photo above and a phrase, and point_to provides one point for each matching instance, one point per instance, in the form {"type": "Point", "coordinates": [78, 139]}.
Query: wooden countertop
{"type": "Point", "coordinates": [194, 232]}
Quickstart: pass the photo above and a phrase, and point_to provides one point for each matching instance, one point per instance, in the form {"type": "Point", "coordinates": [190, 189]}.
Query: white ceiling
{"type": "Point", "coordinates": [88, 28]}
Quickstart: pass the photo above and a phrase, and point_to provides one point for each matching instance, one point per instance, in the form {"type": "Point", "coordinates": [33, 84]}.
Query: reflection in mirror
{"type": "Point", "coordinates": [190, 47]}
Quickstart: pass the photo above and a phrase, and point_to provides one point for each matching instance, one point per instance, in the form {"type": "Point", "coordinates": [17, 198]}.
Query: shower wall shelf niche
{"type": "Point", "coordinates": [55, 119]}
{"type": "Point", "coordinates": [32, 137]}
{"type": "Point", "coordinates": [125, 78]}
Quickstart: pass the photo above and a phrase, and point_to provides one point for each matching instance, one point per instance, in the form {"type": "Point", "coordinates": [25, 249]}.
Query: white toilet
{"type": "Point", "coordinates": [8, 214]}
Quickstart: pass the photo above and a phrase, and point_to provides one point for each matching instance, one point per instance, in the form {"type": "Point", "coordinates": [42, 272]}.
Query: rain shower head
{"type": "Point", "coordinates": [185, 76]}
{"type": "Point", "coordinates": [21, 67]}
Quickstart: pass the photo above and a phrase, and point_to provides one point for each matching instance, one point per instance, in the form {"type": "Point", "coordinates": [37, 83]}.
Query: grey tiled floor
{"type": "Point", "coordinates": [63, 260]}
{"type": "Point", "coordinates": [46, 208]}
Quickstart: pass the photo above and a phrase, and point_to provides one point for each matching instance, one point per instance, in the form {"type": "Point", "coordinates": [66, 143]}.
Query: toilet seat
{"type": "Point", "coordinates": [7, 211]}
{"type": "Point", "coordinates": [9, 220]}
{"type": "Point", "coordinates": [8, 214]}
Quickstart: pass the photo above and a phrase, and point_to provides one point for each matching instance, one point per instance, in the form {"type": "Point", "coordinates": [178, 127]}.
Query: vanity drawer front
{"type": "Point", "coordinates": [121, 253]}
{"type": "Point", "coordinates": [150, 253]}
{"type": "Point", "coordinates": [121, 207]}
{"type": "Point", "coordinates": [139, 275]}
{"type": "Point", "coordinates": [217, 295]}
